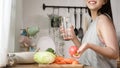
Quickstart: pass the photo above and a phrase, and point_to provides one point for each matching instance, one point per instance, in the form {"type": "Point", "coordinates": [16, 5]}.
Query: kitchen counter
{"type": "Point", "coordinates": [118, 64]}
{"type": "Point", "coordinates": [54, 66]}
{"type": "Point", "coordinates": [49, 66]}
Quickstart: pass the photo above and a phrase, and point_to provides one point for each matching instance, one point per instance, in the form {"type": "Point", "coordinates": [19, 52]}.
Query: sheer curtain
{"type": "Point", "coordinates": [5, 21]}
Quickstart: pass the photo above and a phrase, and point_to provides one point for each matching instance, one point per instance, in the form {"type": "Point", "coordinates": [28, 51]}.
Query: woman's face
{"type": "Point", "coordinates": [95, 5]}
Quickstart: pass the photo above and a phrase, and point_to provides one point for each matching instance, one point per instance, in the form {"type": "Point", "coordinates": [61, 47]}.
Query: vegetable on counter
{"type": "Point", "coordinates": [44, 57]}
{"type": "Point", "coordinates": [49, 57]}
{"type": "Point", "coordinates": [51, 50]}
{"type": "Point", "coordinates": [62, 60]}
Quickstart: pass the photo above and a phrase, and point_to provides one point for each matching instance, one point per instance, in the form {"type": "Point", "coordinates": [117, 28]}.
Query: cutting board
{"type": "Point", "coordinates": [61, 66]}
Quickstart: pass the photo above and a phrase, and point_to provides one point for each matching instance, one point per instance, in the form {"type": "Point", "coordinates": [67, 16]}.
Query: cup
{"type": "Point", "coordinates": [66, 25]}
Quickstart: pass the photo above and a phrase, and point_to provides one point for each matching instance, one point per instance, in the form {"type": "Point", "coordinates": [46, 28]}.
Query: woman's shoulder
{"type": "Point", "coordinates": [104, 23]}
{"type": "Point", "coordinates": [104, 19]}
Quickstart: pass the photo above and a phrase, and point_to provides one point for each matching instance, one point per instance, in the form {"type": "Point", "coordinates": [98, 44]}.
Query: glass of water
{"type": "Point", "coordinates": [66, 25]}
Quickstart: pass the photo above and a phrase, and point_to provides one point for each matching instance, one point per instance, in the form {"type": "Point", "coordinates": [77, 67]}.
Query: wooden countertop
{"type": "Point", "coordinates": [48, 66]}
{"type": "Point", "coordinates": [54, 66]}
{"type": "Point", "coordinates": [118, 64]}
{"type": "Point", "coordinates": [62, 66]}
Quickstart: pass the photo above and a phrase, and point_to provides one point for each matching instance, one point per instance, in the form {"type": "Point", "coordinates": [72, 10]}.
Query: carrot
{"type": "Point", "coordinates": [68, 60]}
{"type": "Point", "coordinates": [59, 60]}
{"type": "Point", "coordinates": [62, 60]}
{"type": "Point", "coordinates": [75, 62]}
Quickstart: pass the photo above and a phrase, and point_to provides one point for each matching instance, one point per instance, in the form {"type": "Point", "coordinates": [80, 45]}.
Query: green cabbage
{"type": "Point", "coordinates": [50, 50]}
{"type": "Point", "coordinates": [44, 57]}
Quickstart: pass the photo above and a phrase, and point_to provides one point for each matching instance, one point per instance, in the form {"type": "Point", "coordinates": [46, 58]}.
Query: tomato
{"type": "Point", "coordinates": [73, 50]}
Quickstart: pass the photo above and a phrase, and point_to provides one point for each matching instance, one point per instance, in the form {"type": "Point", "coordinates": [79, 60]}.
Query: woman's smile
{"type": "Point", "coordinates": [92, 2]}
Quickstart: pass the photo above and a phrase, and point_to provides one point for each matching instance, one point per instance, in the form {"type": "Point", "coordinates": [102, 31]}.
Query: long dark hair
{"type": "Point", "coordinates": [105, 9]}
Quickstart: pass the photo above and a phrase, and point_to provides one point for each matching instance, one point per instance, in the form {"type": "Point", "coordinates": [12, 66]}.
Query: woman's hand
{"type": "Point", "coordinates": [81, 49]}
{"type": "Point", "coordinates": [68, 34]}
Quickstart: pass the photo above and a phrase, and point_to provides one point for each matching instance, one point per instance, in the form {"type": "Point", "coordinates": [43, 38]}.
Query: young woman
{"type": "Point", "coordinates": [99, 47]}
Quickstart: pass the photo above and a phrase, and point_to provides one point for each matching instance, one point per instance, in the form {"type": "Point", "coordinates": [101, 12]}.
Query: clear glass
{"type": "Point", "coordinates": [66, 24]}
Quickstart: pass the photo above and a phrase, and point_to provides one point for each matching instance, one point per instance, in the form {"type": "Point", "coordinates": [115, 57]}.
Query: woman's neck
{"type": "Point", "coordinates": [94, 14]}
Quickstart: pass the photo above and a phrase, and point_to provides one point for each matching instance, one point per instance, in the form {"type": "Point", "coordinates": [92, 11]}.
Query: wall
{"type": "Point", "coordinates": [18, 24]}
{"type": "Point", "coordinates": [116, 15]}
{"type": "Point", "coordinates": [5, 13]}
{"type": "Point", "coordinates": [118, 18]}
{"type": "Point", "coordinates": [33, 15]}
{"type": "Point", "coordinates": [12, 27]}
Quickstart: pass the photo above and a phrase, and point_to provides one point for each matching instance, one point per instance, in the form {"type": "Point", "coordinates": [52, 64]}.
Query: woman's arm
{"type": "Point", "coordinates": [108, 35]}
{"type": "Point", "coordinates": [105, 51]}
{"type": "Point", "coordinates": [76, 41]}
{"type": "Point", "coordinates": [74, 38]}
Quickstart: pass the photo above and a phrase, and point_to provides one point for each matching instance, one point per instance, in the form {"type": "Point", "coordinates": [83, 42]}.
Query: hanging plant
{"type": "Point", "coordinates": [55, 20]}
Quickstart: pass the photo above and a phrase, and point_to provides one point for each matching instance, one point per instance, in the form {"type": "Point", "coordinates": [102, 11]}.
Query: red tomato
{"type": "Point", "coordinates": [73, 50]}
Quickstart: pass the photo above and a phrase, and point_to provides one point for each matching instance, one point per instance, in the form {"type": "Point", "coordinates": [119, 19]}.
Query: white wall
{"type": "Point", "coordinates": [18, 24]}
{"type": "Point", "coordinates": [116, 15]}
{"type": "Point", "coordinates": [30, 12]}
{"type": "Point", "coordinates": [5, 13]}
{"type": "Point", "coordinates": [118, 18]}
{"type": "Point", "coordinates": [11, 45]}
{"type": "Point", "coordinates": [33, 14]}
